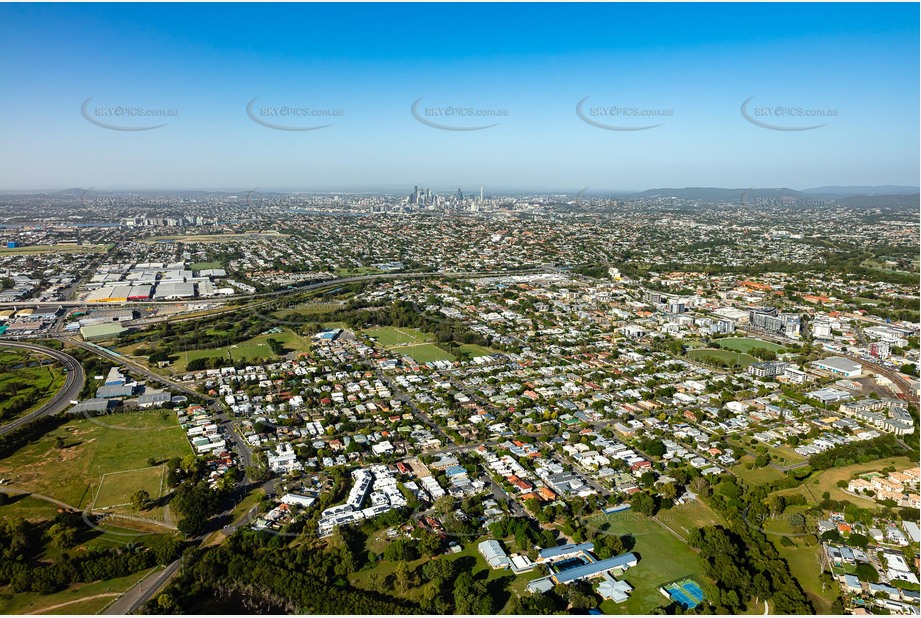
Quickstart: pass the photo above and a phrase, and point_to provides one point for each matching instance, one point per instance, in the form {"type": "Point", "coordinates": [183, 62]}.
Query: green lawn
{"type": "Point", "coordinates": [804, 566]}
{"type": "Point", "coordinates": [389, 336]}
{"type": "Point", "coordinates": [74, 600]}
{"type": "Point", "coordinates": [727, 356]}
{"type": "Point", "coordinates": [756, 476]}
{"type": "Point", "coordinates": [308, 309]}
{"type": "Point", "coordinates": [91, 449]}
{"type": "Point", "coordinates": [357, 272]}
{"type": "Point", "coordinates": [117, 488]}
{"type": "Point", "coordinates": [255, 348]}
{"type": "Point", "coordinates": [475, 350]}
{"type": "Point", "coordinates": [686, 517]}
{"type": "Point", "coordinates": [426, 353]}
{"type": "Point", "coordinates": [27, 508]}
{"type": "Point", "coordinates": [21, 385]}
{"type": "Point", "coordinates": [747, 344]}
{"type": "Point", "coordinates": [663, 558]}
{"type": "Point", "coordinates": [828, 481]}
{"type": "Point", "coordinates": [205, 265]}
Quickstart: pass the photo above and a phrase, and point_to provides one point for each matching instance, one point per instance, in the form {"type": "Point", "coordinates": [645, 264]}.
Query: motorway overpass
{"type": "Point", "coordinates": [73, 384]}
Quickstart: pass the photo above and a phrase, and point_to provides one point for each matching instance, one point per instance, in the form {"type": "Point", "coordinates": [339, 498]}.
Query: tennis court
{"type": "Point", "coordinates": [686, 593]}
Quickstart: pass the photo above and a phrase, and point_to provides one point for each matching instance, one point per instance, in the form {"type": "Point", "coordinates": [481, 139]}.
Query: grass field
{"type": "Point", "coordinates": [757, 476]}
{"type": "Point", "coordinates": [727, 356]}
{"type": "Point", "coordinates": [663, 558]}
{"type": "Point", "coordinates": [473, 350]}
{"type": "Point", "coordinates": [747, 344]}
{"type": "Point", "coordinates": [72, 474]}
{"type": "Point", "coordinates": [19, 384]}
{"type": "Point", "coordinates": [308, 309]}
{"type": "Point", "coordinates": [686, 517]}
{"type": "Point", "coordinates": [357, 272]}
{"type": "Point", "coordinates": [828, 479]}
{"type": "Point", "coordinates": [804, 566]}
{"type": "Point", "coordinates": [426, 353]}
{"type": "Point", "coordinates": [45, 249]}
{"type": "Point", "coordinates": [390, 336]}
{"type": "Point", "coordinates": [205, 265]}
{"type": "Point", "coordinates": [76, 599]}
{"type": "Point", "coordinates": [116, 488]}
{"type": "Point", "coordinates": [27, 508]}
{"type": "Point", "coordinates": [247, 350]}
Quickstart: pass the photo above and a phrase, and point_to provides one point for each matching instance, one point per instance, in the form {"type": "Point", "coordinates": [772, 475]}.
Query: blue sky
{"type": "Point", "coordinates": [371, 62]}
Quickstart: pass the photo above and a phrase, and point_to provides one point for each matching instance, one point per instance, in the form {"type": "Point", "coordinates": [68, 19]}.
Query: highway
{"type": "Point", "coordinates": [73, 384]}
{"type": "Point", "coordinates": [267, 295]}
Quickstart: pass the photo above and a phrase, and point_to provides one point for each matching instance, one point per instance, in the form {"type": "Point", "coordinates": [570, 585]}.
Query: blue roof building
{"type": "Point", "coordinates": [564, 551]}
{"type": "Point", "coordinates": [594, 569]}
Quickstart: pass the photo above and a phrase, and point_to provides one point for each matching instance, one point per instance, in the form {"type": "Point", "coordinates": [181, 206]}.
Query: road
{"type": "Point", "coordinates": [73, 384]}
{"type": "Point", "coordinates": [143, 591]}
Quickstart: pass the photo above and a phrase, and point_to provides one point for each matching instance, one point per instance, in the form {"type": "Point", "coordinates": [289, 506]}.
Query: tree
{"type": "Point", "coordinates": [402, 577]}
{"type": "Point", "coordinates": [59, 443]}
{"type": "Point", "coordinates": [866, 572]}
{"type": "Point", "coordinates": [444, 505]}
{"type": "Point", "coordinates": [653, 447]}
{"type": "Point", "coordinates": [669, 491]}
{"type": "Point", "coordinates": [62, 535]}
{"type": "Point", "coordinates": [140, 499]}
{"type": "Point", "coordinates": [644, 504]}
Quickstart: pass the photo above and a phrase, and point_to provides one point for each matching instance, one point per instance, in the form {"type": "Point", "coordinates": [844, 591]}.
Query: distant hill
{"type": "Point", "coordinates": [76, 192]}
{"type": "Point", "coordinates": [873, 201]}
{"type": "Point", "coordinates": [715, 194]}
{"type": "Point", "coordinates": [881, 190]}
{"type": "Point", "coordinates": [898, 197]}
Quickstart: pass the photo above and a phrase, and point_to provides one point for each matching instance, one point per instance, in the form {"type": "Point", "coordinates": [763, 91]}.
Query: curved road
{"type": "Point", "coordinates": [73, 384]}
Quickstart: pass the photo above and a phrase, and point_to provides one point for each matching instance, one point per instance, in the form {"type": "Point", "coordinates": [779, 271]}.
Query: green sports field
{"type": "Point", "coordinates": [205, 265]}
{"type": "Point", "coordinates": [116, 488]}
{"type": "Point", "coordinates": [473, 350]}
{"type": "Point", "coordinates": [747, 344]}
{"type": "Point", "coordinates": [426, 353]}
{"type": "Point", "coordinates": [390, 336]}
{"type": "Point", "coordinates": [255, 348]}
{"type": "Point", "coordinates": [727, 356]}
{"type": "Point", "coordinates": [93, 448]}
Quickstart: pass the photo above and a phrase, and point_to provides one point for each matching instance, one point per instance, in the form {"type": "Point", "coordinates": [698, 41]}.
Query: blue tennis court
{"type": "Point", "coordinates": [683, 600]}
{"type": "Point", "coordinates": [694, 589]}
{"type": "Point", "coordinates": [686, 593]}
